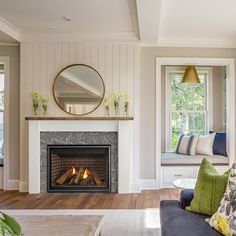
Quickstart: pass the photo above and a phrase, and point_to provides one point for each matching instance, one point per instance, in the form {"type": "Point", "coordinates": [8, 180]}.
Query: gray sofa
{"type": "Point", "coordinates": [175, 221]}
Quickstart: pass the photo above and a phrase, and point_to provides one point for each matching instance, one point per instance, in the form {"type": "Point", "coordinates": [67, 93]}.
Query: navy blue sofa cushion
{"type": "Point", "coordinates": [219, 145]}
{"type": "Point", "coordinates": [186, 196]}
{"type": "Point", "coordinates": [176, 221]}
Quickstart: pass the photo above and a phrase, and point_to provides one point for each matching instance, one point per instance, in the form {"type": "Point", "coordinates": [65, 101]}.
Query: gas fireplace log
{"type": "Point", "coordinates": [87, 180]}
{"type": "Point", "coordinates": [78, 176]}
{"type": "Point", "coordinates": [67, 176]}
{"type": "Point", "coordinates": [96, 177]}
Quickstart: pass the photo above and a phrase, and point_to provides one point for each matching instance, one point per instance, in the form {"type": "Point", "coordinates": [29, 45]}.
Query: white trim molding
{"type": "Point", "coordinates": [1, 177]}
{"type": "Point", "coordinates": [23, 186]}
{"type": "Point", "coordinates": [12, 184]}
{"type": "Point", "coordinates": [16, 184]}
{"type": "Point", "coordinates": [9, 29]}
{"type": "Point", "coordinates": [195, 43]}
{"type": "Point", "coordinates": [5, 61]}
{"type": "Point", "coordinates": [147, 184]}
{"type": "Point", "coordinates": [62, 36]}
{"type": "Point", "coordinates": [190, 43]}
{"type": "Point", "coordinates": [229, 63]}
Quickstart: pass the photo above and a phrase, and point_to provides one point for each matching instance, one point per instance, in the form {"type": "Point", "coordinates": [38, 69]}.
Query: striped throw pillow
{"type": "Point", "coordinates": [187, 144]}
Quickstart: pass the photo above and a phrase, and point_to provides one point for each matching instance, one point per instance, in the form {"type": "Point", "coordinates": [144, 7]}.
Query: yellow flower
{"type": "Point", "coordinates": [44, 98]}
{"type": "Point", "coordinates": [126, 98]}
{"type": "Point", "coordinates": [116, 96]}
{"type": "Point", "coordinates": [223, 226]}
{"type": "Point", "coordinates": [35, 95]}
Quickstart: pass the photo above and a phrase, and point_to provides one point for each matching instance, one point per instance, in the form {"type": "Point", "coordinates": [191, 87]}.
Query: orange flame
{"type": "Point", "coordinates": [85, 175]}
{"type": "Point", "coordinates": [73, 170]}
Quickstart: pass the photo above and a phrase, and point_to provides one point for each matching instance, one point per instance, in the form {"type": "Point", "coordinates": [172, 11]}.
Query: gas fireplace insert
{"type": "Point", "coordinates": [78, 168]}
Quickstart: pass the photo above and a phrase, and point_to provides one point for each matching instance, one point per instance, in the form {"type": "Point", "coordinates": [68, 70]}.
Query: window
{"type": "Point", "coordinates": [187, 107]}
{"type": "Point", "coordinates": [1, 108]}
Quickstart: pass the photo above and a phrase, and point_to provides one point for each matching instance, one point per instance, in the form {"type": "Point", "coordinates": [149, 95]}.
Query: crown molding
{"type": "Point", "coordinates": [63, 36]}
{"type": "Point", "coordinates": [193, 43]}
{"type": "Point", "coordinates": [9, 29]}
{"type": "Point", "coordinates": [9, 44]}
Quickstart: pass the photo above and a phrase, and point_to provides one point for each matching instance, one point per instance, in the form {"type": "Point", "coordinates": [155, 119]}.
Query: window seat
{"type": "Point", "coordinates": [174, 159]}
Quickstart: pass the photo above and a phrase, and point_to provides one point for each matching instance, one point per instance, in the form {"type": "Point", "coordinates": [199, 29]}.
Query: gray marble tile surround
{"type": "Point", "coordinates": [102, 138]}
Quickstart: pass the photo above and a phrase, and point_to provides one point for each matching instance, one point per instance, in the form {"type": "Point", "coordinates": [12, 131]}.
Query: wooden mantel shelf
{"type": "Point", "coordinates": [79, 118]}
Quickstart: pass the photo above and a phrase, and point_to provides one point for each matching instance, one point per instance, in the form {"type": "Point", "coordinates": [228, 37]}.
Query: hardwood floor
{"type": "Point", "coordinates": [145, 199]}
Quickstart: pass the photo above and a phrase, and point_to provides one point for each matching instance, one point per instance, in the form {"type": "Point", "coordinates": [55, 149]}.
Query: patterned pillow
{"type": "Point", "coordinates": [187, 144]}
{"type": "Point", "coordinates": [224, 220]}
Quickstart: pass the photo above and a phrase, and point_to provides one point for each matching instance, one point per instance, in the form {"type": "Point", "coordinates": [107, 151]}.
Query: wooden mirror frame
{"type": "Point", "coordinates": [55, 98]}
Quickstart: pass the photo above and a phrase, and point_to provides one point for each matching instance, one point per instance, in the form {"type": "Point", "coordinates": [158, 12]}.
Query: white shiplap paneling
{"type": "Point", "coordinates": [41, 61]}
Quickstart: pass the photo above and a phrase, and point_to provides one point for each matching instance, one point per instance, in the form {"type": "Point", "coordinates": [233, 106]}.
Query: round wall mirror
{"type": "Point", "coordinates": [78, 89]}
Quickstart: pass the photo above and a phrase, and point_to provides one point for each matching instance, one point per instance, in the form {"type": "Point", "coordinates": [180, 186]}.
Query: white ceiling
{"type": "Point", "coordinates": [105, 15]}
{"type": "Point", "coordinates": [201, 21]}
{"type": "Point", "coordinates": [153, 22]}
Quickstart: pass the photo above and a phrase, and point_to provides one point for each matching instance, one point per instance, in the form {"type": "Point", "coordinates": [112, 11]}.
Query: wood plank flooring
{"type": "Point", "coordinates": [145, 199]}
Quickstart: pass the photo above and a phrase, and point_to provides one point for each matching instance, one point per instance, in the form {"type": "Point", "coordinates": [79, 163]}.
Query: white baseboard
{"type": "Point", "coordinates": [146, 184]}
{"type": "Point", "coordinates": [12, 184]}
{"type": "Point", "coordinates": [24, 186]}
{"type": "Point", "coordinates": [1, 177]}
{"type": "Point", "coordinates": [135, 187]}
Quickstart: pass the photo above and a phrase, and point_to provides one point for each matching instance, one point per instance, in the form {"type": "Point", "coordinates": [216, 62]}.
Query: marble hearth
{"type": "Point", "coordinates": [118, 133]}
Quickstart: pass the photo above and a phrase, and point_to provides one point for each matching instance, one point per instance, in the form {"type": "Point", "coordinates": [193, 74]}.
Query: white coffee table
{"type": "Point", "coordinates": [186, 183]}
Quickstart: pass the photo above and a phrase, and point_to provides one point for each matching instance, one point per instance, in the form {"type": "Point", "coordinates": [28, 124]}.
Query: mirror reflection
{"type": "Point", "coordinates": [78, 89]}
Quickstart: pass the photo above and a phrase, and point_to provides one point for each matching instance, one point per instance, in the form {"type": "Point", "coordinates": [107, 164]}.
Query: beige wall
{"type": "Point", "coordinates": [218, 98]}
{"type": "Point", "coordinates": [147, 97]}
{"type": "Point", "coordinates": [13, 52]}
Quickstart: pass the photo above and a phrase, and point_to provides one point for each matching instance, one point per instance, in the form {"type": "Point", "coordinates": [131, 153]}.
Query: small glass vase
{"type": "Point", "coordinates": [35, 107]}
{"type": "Point", "coordinates": [35, 111]}
{"type": "Point", "coordinates": [45, 107]}
{"type": "Point", "coordinates": [126, 109]}
{"type": "Point", "coordinates": [116, 108]}
{"type": "Point", "coordinates": [107, 110]}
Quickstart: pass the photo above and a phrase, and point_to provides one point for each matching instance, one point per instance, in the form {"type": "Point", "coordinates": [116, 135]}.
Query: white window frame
{"type": "Point", "coordinates": [208, 101]}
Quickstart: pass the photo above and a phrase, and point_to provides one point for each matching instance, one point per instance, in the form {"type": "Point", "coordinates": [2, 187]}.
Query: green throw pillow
{"type": "Point", "coordinates": [209, 189]}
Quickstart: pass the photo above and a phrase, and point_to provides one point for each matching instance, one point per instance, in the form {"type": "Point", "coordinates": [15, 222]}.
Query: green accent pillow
{"type": "Point", "coordinates": [209, 189]}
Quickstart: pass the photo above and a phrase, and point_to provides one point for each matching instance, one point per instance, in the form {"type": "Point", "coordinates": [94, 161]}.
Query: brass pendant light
{"type": "Point", "coordinates": [190, 76]}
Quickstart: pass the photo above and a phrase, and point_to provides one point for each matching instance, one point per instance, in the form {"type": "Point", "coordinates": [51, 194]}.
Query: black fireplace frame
{"type": "Point", "coordinates": [51, 189]}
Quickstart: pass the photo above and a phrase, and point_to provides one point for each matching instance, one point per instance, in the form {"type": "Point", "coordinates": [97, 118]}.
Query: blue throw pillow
{"type": "Point", "coordinates": [219, 146]}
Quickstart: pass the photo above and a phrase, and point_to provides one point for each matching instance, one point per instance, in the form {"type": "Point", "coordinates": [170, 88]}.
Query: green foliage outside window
{"type": "Point", "coordinates": [188, 107]}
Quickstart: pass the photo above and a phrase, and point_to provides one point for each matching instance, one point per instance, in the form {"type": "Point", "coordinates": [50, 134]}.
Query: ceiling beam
{"type": "Point", "coordinates": [9, 29]}
{"type": "Point", "coordinates": [149, 14]}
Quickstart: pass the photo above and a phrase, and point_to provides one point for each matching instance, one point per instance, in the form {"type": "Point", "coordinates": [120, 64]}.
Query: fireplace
{"type": "Point", "coordinates": [78, 168]}
{"type": "Point", "coordinates": [117, 134]}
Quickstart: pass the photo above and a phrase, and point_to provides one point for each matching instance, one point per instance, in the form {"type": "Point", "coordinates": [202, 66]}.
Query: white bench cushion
{"type": "Point", "coordinates": [172, 158]}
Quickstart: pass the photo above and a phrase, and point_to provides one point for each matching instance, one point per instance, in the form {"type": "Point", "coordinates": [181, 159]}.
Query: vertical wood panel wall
{"type": "Point", "coordinates": [41, 61]}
